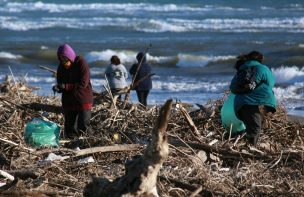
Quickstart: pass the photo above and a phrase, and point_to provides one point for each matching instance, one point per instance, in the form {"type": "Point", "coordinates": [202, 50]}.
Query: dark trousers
{"type": "Point", "coordinates": [252, 118]}
{"type": "Point", "coordinates": [76, 123]}
{"type": "Point", "coordinates": [142, 96]}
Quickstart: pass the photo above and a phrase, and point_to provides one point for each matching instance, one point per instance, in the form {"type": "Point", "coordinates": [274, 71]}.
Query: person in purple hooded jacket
{"type": "Point", "coordinates": [144, 87]}
{"type": "Point", "coordinates": [73, 81]}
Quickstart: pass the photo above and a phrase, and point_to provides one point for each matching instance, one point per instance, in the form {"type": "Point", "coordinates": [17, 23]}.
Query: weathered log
{"type": "Point", "coordinates": [141, 173]}
{"type": "Point", "coordinates": [25, 173]}
{"type": "Point", "coordinates": [103, 149]}
{"type": "Point", "coordinates": [44, 107]}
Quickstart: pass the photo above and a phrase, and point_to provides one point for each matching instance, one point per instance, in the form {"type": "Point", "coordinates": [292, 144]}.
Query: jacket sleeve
{"type": "Point", "coordinates": [233, 84]}
{"type": "Point", "coordinates": [58, 75]}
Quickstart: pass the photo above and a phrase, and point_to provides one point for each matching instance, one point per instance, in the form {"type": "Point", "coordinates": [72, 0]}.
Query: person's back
{"type": "Point", "coordinates": [262, 94]}
{"type": "Point", "coordinates": [144, 71]}
{"type": "Point", "coordinates": [117, 75]}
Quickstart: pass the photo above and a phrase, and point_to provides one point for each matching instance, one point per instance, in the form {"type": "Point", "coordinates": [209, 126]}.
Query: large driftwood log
{"type": "Point", "coordinates": [141, 173]}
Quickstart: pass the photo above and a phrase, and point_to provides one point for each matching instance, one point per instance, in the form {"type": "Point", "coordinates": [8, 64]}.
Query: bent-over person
{"type": "Point", "coordinates": [73, 81]}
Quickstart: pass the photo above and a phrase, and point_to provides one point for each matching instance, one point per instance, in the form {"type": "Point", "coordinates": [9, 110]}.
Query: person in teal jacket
{"type": "Point", "coordinates": [248, 105]}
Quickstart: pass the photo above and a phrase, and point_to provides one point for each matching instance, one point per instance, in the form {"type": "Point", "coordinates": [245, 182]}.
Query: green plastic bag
{"type": "Point", "coordinates": [40, 133]}
{"type": "Point", "coordinates": [229, 119]}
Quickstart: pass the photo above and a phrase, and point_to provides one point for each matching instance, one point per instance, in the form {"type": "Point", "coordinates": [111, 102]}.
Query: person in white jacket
{"type": "Point", "coordinates": [117, 75]}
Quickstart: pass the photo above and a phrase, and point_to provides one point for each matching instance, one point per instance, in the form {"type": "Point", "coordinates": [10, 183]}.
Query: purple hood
{"type": "Point", "coordinates": [66, 51]}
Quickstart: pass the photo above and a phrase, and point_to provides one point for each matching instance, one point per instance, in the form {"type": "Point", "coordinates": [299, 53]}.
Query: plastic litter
{"type": "Point", "coordinates": [87, 160]}
{"type": "Point", "coordinates": [53, 157]}
{"type": "Point", "coordinates": [229, 119]}
{"type": "Point", "coordinates": [40, 133]}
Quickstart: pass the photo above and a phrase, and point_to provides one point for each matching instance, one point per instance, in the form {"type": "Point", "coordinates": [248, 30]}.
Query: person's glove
{"type": "Point", "coordinates": [58, 88]}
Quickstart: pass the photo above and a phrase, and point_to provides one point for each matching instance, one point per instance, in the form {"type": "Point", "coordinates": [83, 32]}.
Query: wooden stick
{"type": "Point", "coordinates": [189, 120]}
{"type": "Point", "coordinates": [48, 69]}
{"type": "Point", "coordinates": [104, 149]}
{"type": "Point", "coordinates": [7, 175]}
{"type": "Point", "coordinates": [107, 87]}
{"type": "Point", "coordinates": [15, 144]}
{"type": "Point", "coordinates": [15, 82]}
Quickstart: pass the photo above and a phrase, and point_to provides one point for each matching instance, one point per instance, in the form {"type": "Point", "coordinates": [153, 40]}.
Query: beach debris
{"type": "Point", "coordinates": [89, 159]}
{"type": "Point", "coordinates": [253, 171]}
{"type": "Point", "coordinates": [53, 157]}
{"type": "Point", "coordinates": [141, 172]}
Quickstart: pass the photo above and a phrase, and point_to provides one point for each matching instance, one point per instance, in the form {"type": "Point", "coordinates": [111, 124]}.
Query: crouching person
{"type": "Point", "coordinates": [73, 81]}
{"type": "Point", "coordinates": [253, 85]}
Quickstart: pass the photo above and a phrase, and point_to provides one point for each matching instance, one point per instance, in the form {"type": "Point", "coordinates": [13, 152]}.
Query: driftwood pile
{"type": "Point", "coordinates": [129, 152]}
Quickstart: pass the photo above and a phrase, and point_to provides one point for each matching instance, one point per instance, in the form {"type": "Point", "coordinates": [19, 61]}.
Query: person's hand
{"type": "Point", "coordinates": [58, 88]}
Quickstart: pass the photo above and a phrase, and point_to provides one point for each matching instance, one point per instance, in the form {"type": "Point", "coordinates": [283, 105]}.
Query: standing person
{"type": "Point", "coordinates": [144, 87]}
{"type": "Point", "coordinates": [251, 104]}
{"type": "Point", "coordinates": [116, 74]}
{"type": "Point", "coordinates": [73, 81]}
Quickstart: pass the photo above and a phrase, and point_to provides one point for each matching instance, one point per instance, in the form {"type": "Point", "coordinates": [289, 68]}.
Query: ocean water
{"type": "Point", "coordinates": [194, 42]}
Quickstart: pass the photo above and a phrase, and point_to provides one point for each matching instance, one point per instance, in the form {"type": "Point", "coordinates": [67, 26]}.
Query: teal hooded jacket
{"type": "Point", "coordinates": [263, 94]}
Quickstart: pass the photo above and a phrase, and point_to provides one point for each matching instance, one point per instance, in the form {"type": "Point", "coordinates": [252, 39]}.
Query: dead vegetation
{"type": "Point", "coordinates": [199, 163]}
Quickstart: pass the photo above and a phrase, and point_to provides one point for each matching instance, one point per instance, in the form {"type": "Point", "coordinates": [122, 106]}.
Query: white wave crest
{"type": "Point", "coordinates": [285, 74]}
{"type": "Point", "coordinates": [290, 92]}
{"type": "Point", "coordinates": [157, 25]}
{"type": "Point", "coordinates": [125, 56]}
{"type": "Point", "coordinates": [14, 7]}
{"type": "Point", "coordinates": [187, 86]}
{"type": "Point", "coordinates": [199, 61]}
{"type": "Point", "coordinates": [6, 55]}
{"type": "Point", "coordinates": [181, 60]}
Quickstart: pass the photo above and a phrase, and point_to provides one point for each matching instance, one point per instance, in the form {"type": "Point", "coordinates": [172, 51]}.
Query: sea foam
{"type": "Point", "coordinates": [7, 55]}
{"type": "Point", "coordinates": [286, 74]}
{"type": "Point", "coordinates": [179, 60]}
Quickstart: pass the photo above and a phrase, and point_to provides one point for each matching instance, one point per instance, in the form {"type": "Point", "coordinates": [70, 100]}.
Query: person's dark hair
{"type": "Point", "coordinates": [253, 55]}
{"type": "Point", "coordinates": [241, 59]}
{"type": "Point", "coordinates": [115, 60]}
{"type": "Point", "coordinates": [141, 55]}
